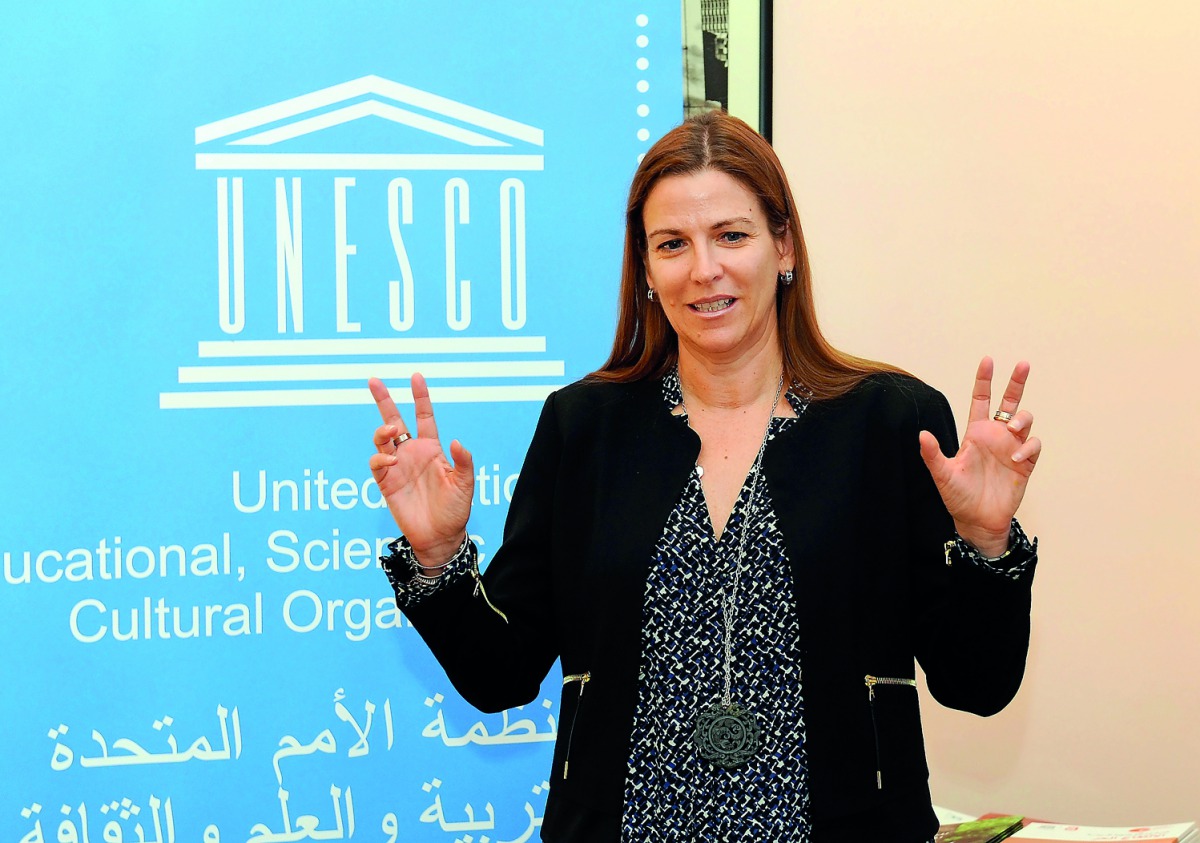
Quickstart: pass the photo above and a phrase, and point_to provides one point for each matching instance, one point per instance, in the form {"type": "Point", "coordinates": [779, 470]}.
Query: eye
{"type": "Point", "coordinates": [733, 236]}
{"type": "Point", "coordinates": [670, 245]}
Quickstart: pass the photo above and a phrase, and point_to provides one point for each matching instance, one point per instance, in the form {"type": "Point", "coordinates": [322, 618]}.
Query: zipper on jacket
{"type": "Point", "coordinates": [479, 591]}
{"type": "Point", "coordinates": [871, 682]}
{"type": "Point", "coordinates": [582, 679]}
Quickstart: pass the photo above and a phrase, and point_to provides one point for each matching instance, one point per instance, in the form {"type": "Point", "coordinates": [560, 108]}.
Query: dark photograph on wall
{"type": "Point", "coordinates": [726, 59]}
{"type": "Point", "coordinates": [705, 55]}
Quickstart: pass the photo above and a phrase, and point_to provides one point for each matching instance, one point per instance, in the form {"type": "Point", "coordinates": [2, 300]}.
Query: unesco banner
{"type": "Point", "coordinates": [218, 220]}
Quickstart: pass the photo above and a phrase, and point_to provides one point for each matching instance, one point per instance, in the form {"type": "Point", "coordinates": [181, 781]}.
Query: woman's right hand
{"type": "Point", "coordinates": [428, 496]}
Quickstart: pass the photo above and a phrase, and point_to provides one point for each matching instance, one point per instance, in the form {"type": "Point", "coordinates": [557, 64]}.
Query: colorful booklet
{"type": "Point", "coordinates": [1054, 832]}
{"type": "Point", "coordinates": [983, 830]}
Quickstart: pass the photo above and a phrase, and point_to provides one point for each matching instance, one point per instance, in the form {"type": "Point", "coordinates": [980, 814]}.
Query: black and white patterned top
{"type": "Point", "coordinates": [670, 792]}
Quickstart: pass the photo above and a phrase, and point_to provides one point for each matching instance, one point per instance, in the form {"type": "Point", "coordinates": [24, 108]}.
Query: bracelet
{"type": "Point", "coordinates": [422, 569]}
{"type": "Point", "coordinates": [991, 560]}
{"type": "Point", "coordinates": [968, 549]}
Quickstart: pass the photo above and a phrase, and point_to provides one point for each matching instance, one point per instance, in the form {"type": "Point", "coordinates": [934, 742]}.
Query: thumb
{"type": "Point", "coordinates": [934, 459]}
{"type": "Point", "coordinates": [464, 467]}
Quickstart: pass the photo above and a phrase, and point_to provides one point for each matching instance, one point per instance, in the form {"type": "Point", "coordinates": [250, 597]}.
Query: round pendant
{"type": "Point", "coordinates": [727, 735]}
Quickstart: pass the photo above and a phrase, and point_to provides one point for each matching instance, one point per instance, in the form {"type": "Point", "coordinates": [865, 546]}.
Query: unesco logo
{"type": "Point", "coordinates": [366, 229]}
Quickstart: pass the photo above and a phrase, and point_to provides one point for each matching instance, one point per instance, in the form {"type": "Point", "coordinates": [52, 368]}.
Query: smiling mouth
{"type": "Point", "coordinates": [713, 306]}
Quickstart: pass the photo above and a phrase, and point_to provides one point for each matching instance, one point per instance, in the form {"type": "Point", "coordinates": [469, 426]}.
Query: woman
{"type": "Point", "coordinates": [735, 538]}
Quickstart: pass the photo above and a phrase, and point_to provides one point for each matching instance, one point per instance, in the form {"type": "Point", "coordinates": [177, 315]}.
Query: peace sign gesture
{"type": "Point", "coordinates": [983, 484]}
{"type": "Point", "coordinates": [429, 497]}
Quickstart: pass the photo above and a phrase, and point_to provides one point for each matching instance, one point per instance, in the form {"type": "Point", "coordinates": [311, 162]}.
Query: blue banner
{"type": "Point", "coordinates": [218, 220]}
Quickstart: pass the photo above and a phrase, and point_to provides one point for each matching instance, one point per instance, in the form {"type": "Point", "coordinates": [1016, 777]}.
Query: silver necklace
{"type": "Point", "coordinates": [727, 734]}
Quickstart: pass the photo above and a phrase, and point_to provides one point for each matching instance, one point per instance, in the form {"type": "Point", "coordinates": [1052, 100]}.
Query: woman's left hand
{"type": "Point", "coordinates": [982, 485]}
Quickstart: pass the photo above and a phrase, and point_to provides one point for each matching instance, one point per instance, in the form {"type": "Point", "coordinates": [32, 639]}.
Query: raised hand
{"type": "Point", "coordinates": [429, 497]}
{"type": "Point", "coordinates": [983, 484]}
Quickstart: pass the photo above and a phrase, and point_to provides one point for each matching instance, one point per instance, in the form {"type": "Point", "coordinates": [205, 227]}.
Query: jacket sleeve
{"type": "Point", "coordinates": [970, 623]}
{"type": "Point", "coordinates": [495, 635]}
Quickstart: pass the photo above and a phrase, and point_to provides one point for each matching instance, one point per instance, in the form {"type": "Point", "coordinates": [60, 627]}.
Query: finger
{"type": "Point", "coordinates": [464, 467]}
{"type": "Point", "coordinates": [1015, 388]}
{"type": "Point", "coordinates": [385, 438]}
{"type": "Point", "coordinates": [1029, 452]}
{"type": "Point", "coordinates": [1020, 424]}
{"type": "Point", "coordinates": [981, 395]}
{"type": "Point", "coordinates": [934, 459]}
{"type": "Point", "coordinates": [380, 463]}
{"type": "Point", "coordinates": [387, 407]}
{"type": "Point", "coordinates": [426, 426]}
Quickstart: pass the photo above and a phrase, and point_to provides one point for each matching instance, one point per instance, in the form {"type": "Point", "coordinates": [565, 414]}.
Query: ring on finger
{"type": "Point", "coordinates": [1002, 416]}
{"type": "Point", "coordinates": [400, 440]}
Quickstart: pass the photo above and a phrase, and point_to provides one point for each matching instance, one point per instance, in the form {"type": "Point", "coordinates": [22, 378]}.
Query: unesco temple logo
{"type": "Point", "coordinates": [368, 228]}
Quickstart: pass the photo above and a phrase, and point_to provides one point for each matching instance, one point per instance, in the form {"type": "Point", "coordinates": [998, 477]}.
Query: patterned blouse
{"type": "Point", "coordinates": [671, 793]}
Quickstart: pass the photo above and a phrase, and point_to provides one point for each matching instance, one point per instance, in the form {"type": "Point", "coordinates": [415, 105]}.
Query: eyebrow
{"type": "Point", "coordinates": [714, 227]}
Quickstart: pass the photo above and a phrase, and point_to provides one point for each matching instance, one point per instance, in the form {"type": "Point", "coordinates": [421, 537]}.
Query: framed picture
{"type": "Point", "coordinates": [727, 59]}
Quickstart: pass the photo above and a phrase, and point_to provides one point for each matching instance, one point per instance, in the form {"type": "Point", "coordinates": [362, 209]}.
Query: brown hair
{"type": "Point", "coordinates": [645, 345]}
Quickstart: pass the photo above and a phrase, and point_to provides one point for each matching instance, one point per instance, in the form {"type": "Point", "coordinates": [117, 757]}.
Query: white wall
{"type": "Point", "coordinates": [1023, 179]}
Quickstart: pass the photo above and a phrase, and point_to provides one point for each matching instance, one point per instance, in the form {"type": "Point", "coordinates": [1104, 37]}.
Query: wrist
{"type": "Point", "coordinates": [433, 559]}
{"type": "Point", "coordinates": [414, 582]}
{"type": "Point", "coordinates": [990, 544]}
{"type": "Point", "coordinates": [1016, 563]}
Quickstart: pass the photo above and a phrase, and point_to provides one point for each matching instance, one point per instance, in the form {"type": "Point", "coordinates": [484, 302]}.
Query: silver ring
{"type": "Point", "coordinates": [1002, 416]}
{"type": "Point", "coordinates": [400, 440]}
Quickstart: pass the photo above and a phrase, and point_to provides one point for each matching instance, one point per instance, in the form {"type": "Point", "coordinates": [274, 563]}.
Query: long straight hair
{"type": "Point", "coordinates": [646, 345]}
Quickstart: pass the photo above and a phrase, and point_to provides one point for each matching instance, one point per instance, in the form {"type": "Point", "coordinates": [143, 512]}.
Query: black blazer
{"type": "Point", "coordinates": [865, 531]}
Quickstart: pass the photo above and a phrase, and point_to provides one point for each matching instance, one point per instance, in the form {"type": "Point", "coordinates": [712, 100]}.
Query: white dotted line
{"type": "Point", "coordinates": [643, 85]}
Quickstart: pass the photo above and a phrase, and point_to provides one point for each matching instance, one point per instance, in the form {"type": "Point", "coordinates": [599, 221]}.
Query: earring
{"type": "Point", "coordinates": [650, 294]}
{"type": "Point", "coordinates": [787, 277]}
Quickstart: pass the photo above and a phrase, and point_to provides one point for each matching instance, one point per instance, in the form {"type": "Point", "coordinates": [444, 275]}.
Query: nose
{"type": "Point", "coordinates": [706, 264]}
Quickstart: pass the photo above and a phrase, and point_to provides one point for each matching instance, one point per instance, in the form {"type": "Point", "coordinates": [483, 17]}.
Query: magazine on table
{"type": "Point", "coordinates": [1039, 832]}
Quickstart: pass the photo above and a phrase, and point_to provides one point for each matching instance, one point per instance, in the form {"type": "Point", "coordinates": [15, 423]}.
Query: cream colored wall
{"type": "Point", "coordinates": [1023, 179]}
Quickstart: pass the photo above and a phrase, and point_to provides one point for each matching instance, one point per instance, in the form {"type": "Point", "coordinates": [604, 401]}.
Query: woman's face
{"type": "Point", "coordinates": [713, 264]}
